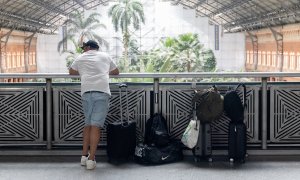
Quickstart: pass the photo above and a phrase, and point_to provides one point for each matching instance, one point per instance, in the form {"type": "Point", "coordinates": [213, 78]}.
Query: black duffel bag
{"type": "Point", "coordinates": [153, 155]}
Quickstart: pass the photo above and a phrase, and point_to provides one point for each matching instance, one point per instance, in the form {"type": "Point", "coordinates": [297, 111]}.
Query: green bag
{"type": "Point", "coordinates": [210, 104]}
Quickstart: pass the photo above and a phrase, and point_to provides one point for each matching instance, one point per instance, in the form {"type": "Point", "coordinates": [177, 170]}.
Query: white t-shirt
{"type": "Point", "coordinates": [94, 67]}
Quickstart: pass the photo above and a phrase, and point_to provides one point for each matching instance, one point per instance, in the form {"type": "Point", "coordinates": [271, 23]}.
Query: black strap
{"type": "Point", "coordinates": [244, 93]}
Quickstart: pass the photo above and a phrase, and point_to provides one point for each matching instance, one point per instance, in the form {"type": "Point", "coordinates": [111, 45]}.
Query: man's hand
{"type": "Point", "coordinates": [73, 72]}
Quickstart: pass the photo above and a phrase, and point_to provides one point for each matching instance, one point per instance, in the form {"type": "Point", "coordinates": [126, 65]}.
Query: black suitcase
{"type": "Point", "coordinates": [121, 135]}
{"type": "Point", "coordinates": [237, 141]}
{"type": "Point", "coordinates": [203, 148]}
{"type": "Point", "coordinates": [237, 131]}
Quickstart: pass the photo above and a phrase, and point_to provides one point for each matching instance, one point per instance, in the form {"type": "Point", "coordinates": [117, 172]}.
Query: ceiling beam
{"type": "Point", "coordinates": [23, 21]}
{"type": "Point", "coordinates": [175, 2]}
{"type": "Point", "coordinates": [199, 3]}
{"type": "Point", "coordinates": [267, 17]}
{"type": "Point", "coordinates": [80, 3]}
{"type": "Point", "coordinates": [229, 7]}
{"type": "Point", "coordinates": [47, 6]}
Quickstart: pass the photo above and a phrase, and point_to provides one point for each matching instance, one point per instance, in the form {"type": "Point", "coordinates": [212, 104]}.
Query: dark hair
{"type": "Point", "coordinates": [91, 43]}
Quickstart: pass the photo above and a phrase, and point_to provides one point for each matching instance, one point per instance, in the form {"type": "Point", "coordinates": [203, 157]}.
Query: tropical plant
{"type": "Point", "coordinates": [81, 28]}
{"type": "Point", "coordinates": [126, 14]}
{"type": "Point", "coordinates": [73, 54]}
{"type": "Point", "coordinates": [181, 54]}
{"type": "Point", "coordinates": [187, 49]}
{"type": "Point", "coordinates": [209, 61]}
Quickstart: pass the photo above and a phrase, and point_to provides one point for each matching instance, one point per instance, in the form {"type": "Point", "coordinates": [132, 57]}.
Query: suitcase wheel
{"type": "Point", "coordinates": [242, 160]}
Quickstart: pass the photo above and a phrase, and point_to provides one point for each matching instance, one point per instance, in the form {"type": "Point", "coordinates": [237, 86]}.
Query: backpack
{"type": "Point", "coordinates": [233, 104]}
{"type": "Point", "coordinates": [156, 132]}
{"type": "Point", "coordinates": [209, 103]}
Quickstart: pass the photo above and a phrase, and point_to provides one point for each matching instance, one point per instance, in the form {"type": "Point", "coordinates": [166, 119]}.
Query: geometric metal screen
{"type": "Point", "coordinates": [68, 115]}
{"type": "Point", "coordinates": [285, 114]}
{"type": "Point", "coordinates": [176, 107]}
{"type": "Point", "coordinates": [69, 118]}
{"type": "Point", "coordinates": [21, 115]}
{"type": "Point", "coordinates": [138, 108]}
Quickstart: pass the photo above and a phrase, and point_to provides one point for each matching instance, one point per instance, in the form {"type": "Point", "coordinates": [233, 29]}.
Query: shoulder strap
{"type": "Point", "coordinates": [244, 93]}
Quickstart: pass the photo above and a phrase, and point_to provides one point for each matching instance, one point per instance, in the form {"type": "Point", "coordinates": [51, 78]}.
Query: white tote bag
{"type": "Point", "coordinates": [191, 133]}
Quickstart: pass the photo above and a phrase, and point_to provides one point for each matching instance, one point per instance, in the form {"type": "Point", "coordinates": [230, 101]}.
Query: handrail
{"type": "Point", "coordinates": [156, 76]}
{"type": "Point", "coordinates": [162, 75]}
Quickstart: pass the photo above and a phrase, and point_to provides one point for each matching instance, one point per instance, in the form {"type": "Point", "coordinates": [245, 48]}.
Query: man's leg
{"type": "Point", "coordinates": [86, 140]}
{"type": "Point", "coordinates": [94, 140]}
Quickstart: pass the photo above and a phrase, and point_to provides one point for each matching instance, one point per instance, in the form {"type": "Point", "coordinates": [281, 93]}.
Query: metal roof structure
{"type": "Point", "coordinates": [246, 15]}
{"type": "Point", "coordinates": [45, 16]}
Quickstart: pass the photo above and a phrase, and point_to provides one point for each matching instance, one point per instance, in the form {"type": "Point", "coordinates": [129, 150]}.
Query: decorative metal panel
{"type": "Point", "coordinates": [68, 115]}
{"type": "Point", "coordinates": [21, 116]}
{"type": "Point", "coordinates": [69, 118]}
{"type": "Point", "coordinates": [284, 114]}
{"type": "Point", "coordinates": [138, 109]}
{"type": "Point", "coordinates": [176, 106]}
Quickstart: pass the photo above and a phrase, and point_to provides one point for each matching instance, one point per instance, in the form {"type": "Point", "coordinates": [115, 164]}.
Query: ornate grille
{"type": "Point", "coordinates": [21, 116]}
{"type": "Point", "coordinates": [284, 114]}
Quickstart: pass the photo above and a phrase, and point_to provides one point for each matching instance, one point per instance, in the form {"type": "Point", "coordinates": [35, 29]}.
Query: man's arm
{"type": "Point", "coordinates": [114, 72]}
{"type": "Point", "coordinates": [73, 72]}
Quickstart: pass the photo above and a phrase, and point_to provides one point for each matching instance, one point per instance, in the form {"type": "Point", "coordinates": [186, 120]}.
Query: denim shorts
{"type": "Point", "coordinates": [95, 107]}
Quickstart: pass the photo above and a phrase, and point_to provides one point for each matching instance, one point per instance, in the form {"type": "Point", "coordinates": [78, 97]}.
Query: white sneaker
{"type": "Point", "coordinates": [90, 164]}
{"type": "Point", "coordinates": [83, 160]}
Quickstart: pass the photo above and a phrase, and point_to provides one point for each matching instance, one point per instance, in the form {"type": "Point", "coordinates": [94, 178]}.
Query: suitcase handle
{"type": "Point", "coordinates": [244, 97]}
{"type": "Point", "coordinates": [123, 85]}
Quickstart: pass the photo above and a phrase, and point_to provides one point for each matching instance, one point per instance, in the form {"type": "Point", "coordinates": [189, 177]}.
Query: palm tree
{"type": "Point", "coordinates": [83, 28]}
{"type": "Point", "coordinates": [187, 50]}
{"type": "Point", "coordinates": [124, 14]}
{"type": "Point", "coordinates": [72, 54]}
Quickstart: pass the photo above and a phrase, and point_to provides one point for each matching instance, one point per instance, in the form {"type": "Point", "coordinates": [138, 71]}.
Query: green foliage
{"type": "Point", "coordinates": [209, 61]}
{"type": "Point", "coordinates": [184, 53]}
{"type": "Point", "coordinates": [181, 54]}
{"type": "Point", "coordinates": [126, 14]}
{"type": "Point", "coordinates": [81, 28]}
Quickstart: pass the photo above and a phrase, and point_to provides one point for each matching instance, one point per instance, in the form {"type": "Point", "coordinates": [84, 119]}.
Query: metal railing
{"type": "Point", "coordinates": [263, 76]}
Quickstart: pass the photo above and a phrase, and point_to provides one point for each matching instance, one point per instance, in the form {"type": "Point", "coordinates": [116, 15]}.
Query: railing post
{"type": "Point", "coordinates": [264, 98]}
{"type": "Point", "coordinates": [49, 112]}
{"type": "Point", "coordinates": [156, 95]}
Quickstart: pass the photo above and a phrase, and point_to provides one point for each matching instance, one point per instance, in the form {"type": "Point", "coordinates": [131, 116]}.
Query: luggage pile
{"type": "Point", "coordinates": [208, 106]}
{"type": "Point", "coordinates": [159, 148]}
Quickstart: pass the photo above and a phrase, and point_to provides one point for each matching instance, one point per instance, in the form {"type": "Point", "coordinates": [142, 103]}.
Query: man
{"type": "Point", "coordinates": [94, 68]}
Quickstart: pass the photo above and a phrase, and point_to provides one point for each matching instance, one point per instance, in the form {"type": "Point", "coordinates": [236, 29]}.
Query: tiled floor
{"type": "Point", "coordinates": [68, 168]}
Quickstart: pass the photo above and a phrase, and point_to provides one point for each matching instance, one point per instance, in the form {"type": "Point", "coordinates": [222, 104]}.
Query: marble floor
{"type": "Point", "coordinates": [68, 168]}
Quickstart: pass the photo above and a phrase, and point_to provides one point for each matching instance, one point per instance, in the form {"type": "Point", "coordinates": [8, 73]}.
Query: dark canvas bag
{"type": "Point", "coordinates": [210, 104]}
